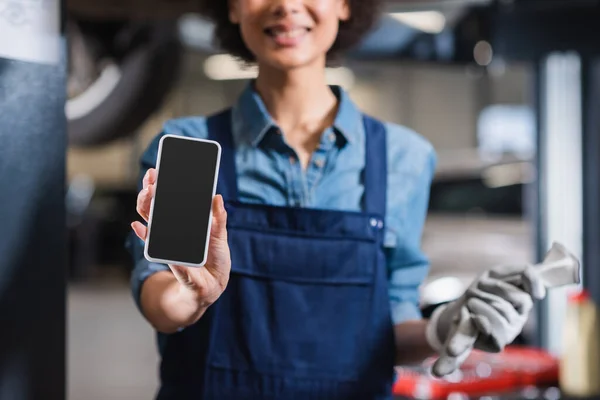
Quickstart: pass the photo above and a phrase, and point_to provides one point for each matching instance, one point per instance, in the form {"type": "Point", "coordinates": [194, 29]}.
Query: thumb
{"type": "Point", "coordinates": [218, 229]}
{"type": "Point", "coordinates": [458, 346]}
{"type": "Point", "coordinates": [464, 336]}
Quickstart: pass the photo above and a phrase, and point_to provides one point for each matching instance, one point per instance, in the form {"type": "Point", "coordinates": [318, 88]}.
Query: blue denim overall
{"type": "Point", "coordinates": [306, 312]}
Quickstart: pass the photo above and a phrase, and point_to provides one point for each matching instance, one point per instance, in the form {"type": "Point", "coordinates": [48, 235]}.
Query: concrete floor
{"type": "Point", "coordinates": [111, 349]}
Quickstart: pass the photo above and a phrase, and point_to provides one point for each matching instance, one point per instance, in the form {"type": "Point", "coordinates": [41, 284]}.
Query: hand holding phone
{"type": "Point", "coordinates": [195, 239]}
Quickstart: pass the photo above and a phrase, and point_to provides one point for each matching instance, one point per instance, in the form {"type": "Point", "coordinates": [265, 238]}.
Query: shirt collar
{"type": "Point", "coordinates": [252, 121]}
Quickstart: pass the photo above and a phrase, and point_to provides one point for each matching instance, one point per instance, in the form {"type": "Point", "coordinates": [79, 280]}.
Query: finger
{"type": "Point", "coordinates": [458, 346]}
{"type": "Point", "coordinates": [464, 335]}
{"type": "Point", "coordinates": [497, 311]}
{"type": "Point", "coordinates": [487, 343]}
{"type": "Point", "coordinates": [526, 278]}
{"type": "Point", "coordinates": [144, 201]}
{"type": "Point", "coordinates": [483, 324]}
{"type": "Point", "coordinates": [519, 299]}
{"type": "Point", "coordinates": [218, 229]}
{"type": "Point", "coordinates": [506, 271]}
{"type": "Point", "coordinates": [445, 365]}
{"type": "Point", "coordinates": [490, 323]}
{"type": "Point", "coordinates": [149, 177]}
{"type": "Point", "coordinates": [180, 273]}
{"type": "Point", "coordinates": [501, 309]}
{"type": "Point", "coordinates": [140, 229]}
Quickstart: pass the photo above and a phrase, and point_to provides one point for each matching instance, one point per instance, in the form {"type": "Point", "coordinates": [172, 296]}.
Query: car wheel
{"type": "Point", "coordinates": [119, 74]}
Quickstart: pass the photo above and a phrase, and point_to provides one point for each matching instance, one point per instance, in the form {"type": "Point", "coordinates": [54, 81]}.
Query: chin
{"type": "Point", "coordinates": [289, 62]}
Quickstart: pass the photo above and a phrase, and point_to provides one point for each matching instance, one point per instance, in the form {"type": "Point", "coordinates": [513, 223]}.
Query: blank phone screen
{"type": "Point", "coordinates": [182, 202]}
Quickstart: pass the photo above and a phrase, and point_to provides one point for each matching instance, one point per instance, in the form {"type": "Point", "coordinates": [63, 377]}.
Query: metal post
{"type": "Point", "coordinates": [560, 176]}
{"type": "Point", "coordinates": [32, 216]}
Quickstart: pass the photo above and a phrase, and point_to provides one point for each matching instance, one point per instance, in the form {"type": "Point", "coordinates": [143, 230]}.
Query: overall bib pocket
{"type": "Point", "coordinates": [299, 308]}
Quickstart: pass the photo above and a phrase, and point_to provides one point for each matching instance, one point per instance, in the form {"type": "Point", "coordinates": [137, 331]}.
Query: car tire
{"type": "Point", "coordinates": [140, 83]}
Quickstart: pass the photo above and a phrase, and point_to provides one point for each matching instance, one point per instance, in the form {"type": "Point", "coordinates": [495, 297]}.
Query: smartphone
{"type": "Point", "coordinates": [180, 213]}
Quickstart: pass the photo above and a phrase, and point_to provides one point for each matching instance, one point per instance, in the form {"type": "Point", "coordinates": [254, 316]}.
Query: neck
{"type": "Point", "coordinates": [296, 98]}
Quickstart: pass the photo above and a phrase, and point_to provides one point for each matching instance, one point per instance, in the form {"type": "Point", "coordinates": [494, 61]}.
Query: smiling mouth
{"type": "Point", "coordinates": [286, 33]}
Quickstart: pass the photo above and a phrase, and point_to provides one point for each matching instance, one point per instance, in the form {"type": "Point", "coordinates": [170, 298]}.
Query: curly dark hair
{"type": "Point", "coordinates": [363, 15]}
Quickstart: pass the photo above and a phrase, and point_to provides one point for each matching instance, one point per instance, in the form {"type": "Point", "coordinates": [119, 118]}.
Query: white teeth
{"type": "Point", "coordinates": [290, 34]}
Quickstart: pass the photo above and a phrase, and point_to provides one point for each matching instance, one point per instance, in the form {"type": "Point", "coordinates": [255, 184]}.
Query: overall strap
{"type": "Point", "coordinates": [375, 177]}
{"type": "Point", "coordinates": [219, 130]}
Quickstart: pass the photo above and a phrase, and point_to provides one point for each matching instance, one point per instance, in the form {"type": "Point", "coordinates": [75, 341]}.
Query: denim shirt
{"type": "Point", "coordinates": [269, 173]}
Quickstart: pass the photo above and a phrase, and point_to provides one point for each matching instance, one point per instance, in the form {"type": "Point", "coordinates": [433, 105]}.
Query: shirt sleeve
{"type": "Point", "coordinates": [407, 264]}
{"type": "Point", "coordinates": [143, 268]}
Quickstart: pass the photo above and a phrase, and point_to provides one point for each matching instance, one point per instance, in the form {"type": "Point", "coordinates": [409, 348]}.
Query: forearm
{"type": "Point", "coordinates": [411, 344]}
{"type": "Point", "coordinates": [167, 304]}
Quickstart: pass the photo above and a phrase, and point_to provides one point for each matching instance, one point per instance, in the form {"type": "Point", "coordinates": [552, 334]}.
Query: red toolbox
{"type": "Point", "coordinates": [481, 374]}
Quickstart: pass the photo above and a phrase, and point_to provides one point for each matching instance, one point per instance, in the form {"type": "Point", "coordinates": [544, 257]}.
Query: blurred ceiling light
{"type": "Point", "coordinates": [221, 67]}
{"type": "Point", "coordinates": [426, 21]}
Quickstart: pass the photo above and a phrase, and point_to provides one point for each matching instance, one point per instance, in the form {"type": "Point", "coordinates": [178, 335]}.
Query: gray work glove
{"type": "Point", "coordinates": [488, 316]}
